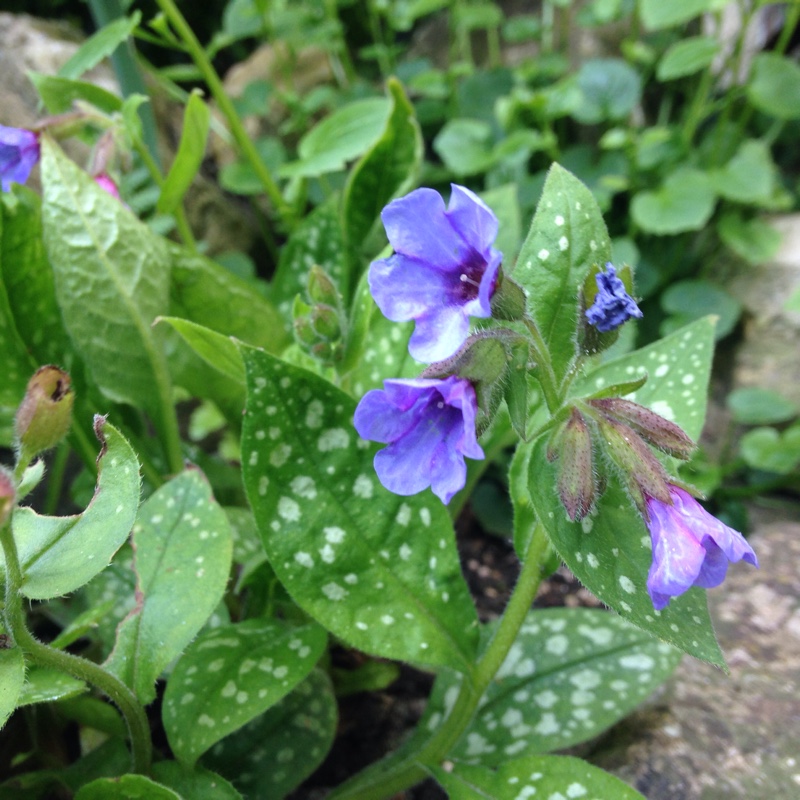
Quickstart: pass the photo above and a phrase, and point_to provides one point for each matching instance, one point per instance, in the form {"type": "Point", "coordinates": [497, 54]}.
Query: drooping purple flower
{"type": "Point", "coordinates": [690, 547]}
{"type": "Point", "coordinates": [443, 271]}
{"type": "Point", "coordinates": [429, 427]}
{"type": "Point", "coordinates": [19, 152]}
{"type": "Point", "coordinates": [612, 305]}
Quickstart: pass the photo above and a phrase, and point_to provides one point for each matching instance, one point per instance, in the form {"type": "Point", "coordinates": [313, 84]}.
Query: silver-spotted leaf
{"type": "Point", "coordinates": [232, 674]}
{"type": "Point", "coordinates": [378, 570]}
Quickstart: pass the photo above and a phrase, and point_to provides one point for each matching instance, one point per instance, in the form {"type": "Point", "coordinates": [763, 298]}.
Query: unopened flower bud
{"type": "Point", "coordinates": [327, 352]}
{"type": "Point", "coordinates": [652, 427]}
{"type": "Point", "coordinates": [7, 495]}
{"type": "Point", "coordinates": [576, 485]}
{"type": "Point", "coordinates": [45, 414]}
{"type": "Point", "coordinates": [641, 472]}
{"type": "Point", "coordinates": [326, 323]}
{"type": "Point", "coordinates": [304, 333]}
{"type": "Point", "coordinates": [508, 300]}
{"type": "Point", "coordinates": [321, 288]}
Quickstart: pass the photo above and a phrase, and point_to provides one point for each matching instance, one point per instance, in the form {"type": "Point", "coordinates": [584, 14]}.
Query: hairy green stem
{"type": "Point", "coordinates": [412, 769]}
{"type": "Point", "coordinates": [80, 668]}
{"type": "Point", "coordinates": [544, 368]}
{"type": "Point", "coordinates": [214, 83]}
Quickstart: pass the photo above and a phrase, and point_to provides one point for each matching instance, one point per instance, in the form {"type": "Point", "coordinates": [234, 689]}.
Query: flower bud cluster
{"type": "Point", "coordinates": [319, 325]}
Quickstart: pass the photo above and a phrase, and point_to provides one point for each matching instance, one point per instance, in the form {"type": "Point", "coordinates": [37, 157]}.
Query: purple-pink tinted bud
{"type": "Point", "coordinates": [690, 547]}
{"type": "Point", "coordinates": [612, 305]}
{"type": "Point", "coordinates": [444, 269]}
{"type": "Point", "coordinates": [19, 152]}
{"type": "Point", "coordinates": [429, 427]}
{"type": "Point", "coordinates": [107, 184]}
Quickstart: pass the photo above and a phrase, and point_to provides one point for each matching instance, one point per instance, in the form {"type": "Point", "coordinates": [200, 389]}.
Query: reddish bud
{"type": "Point", "coordinates": [652, 427]}
{"type": "Point", "coordinates": [576, 485]}
{"type": "Point", "coordinates": [7, 495]}
{"type": "Point", "coordinates": [45, 414]}
{"type": "Point", "coordinates": [641, 471]}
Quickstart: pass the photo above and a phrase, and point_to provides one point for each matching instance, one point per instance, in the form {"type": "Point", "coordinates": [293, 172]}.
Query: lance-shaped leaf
{"type": "Point", "coordinates": [60, 554]}
{"type": "Point", "coordinates": [112, 281]}
{"type": "Point", "coordinates": [231, 675]}
{"type": "Point", "coordinates": [293, 738]}
{"type": "Point", "coordinates": [551, 777]}
{"type": "Point", "coordinates": [567, 236]}
{"type": "Point", "coordinates": [610, 550]}
{"type": "Point", "coordinates": [378, 570]}
{"type": "Point", "coordinates": [570, 674]}
{"type": "Point", "coordinates": [182, 544]}
{"type": "Point", "coordinates": [198, 783]}
{"type": "Point", "coordinates": [385, 171]}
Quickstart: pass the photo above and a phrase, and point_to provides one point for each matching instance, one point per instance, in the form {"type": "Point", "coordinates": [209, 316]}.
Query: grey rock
{"type": "Point", "coordinates": [715, 737]}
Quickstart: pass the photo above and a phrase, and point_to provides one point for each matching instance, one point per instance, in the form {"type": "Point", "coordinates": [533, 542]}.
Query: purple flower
{"type": "Point", "coordinates": [444, 268]}
{"type": "Point", "coordinates": [612, 305]}
{"type": "Point", "coordinates": [19, 152]}
{"type": "Point", "coordinates": [429, 425]}
{"type": "Point", "coordinates": [690, 547]}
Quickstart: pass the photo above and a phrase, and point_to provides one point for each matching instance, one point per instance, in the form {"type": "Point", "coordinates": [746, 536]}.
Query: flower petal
{"type": "Point", "coordinates": [417, 226]}
{"type": "Point", "coordinates": [472, 218]}
{"type": "Point", "coordinates": [405, 288]}
{"type": "Point", "coordinates": [438, 334]}
{"type": "Point", "coordinates": [380, 420]}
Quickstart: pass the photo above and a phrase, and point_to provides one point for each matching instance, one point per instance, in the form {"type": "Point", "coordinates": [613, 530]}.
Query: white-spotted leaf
{"type": "Point", "coordinates": [232, 674]}
{"type": "Point", "coordinates": [548, 777]}
{"type": "Point", "coordinates": [567, 236]}
{"type": "Point", "coordinates": [570, 674]}
{"type": "Point", "coordinates": [182, 544]}
{"type": "Point", "coordinates": [194, 784]}
{"type": "Point", "coordinates": [378, 570]}
{"type": "Point", "coordinates": [61, 554]}
{"type": "Point", "coordinates": [126, 787]}
{"type": "Point", "coordinates": [275, 752]}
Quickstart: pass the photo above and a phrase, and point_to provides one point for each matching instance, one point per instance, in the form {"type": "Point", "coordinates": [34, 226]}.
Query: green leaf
{"type": "Point", "coordinates": [524, 512]}
{"type": "Point", "coordinates": [126, 787]}
{"type": "Point", "coordinates": [232, 674]}
{"type": "Point", "coordinates": [44, 685]}
{"type": "Point", "coordinates": [341, 137]}
{"type": "Point", "coordinates": [12, 678]}
{"type": "Point", "coordinates": [774, 86]}
{"type": "Point", "coordinates": [754, 240]}
{"type": "Point", "coordinates": [657, 14]}
{"type": "Point", "coordinates": [194, 784]}
{"type": "Point", "coordinates": [378, 570]}
{"type": "Point", "coordinates": [217, 350]}
{"type": "Point", "coordinates": [504, 201]}
{"type": "Point", "coordinates": [768, 450]}
{"type": "Point", "coordinates": [690, 300]}
{"type": "Point", "coordinates": [293, 736]}
{"type": "Point", "coordinates": [570, 674]}
{"type": "Point", "coordinates": [99, 46]}
{"type": "Point", "coordinates": [567, 236]}
{"type": "Point", "coordinates": [465, 146]}
{"type": "Point", "coordinates": [684, 202]}
{"type": "Point", "coordinates": [60, 554]}
{"type": "Point", "coordinates": [749, 177]}
{"type": "Point", "coordinates": [99, 250]}
{"type": "Point", "coordinates": [385, 171]}
{"type": "Point", "coordinates": [610, 88]}
{"type": "Point", "coordinates": [28, 278]}
{"type": "Point", "coordinates": [554, 777]}
{"type": "Point", "coordinates": [687, 56]}
{"type": "Point", "coordinates": [319, 240]}
{"type": "Point", "coordinates": [183, 548]}
{"type": "Point", "coordinates": [191, 149]}
{"type": "Point", "coordinates": [59, 94]}
{"type": "Point", "coordinates": [755, 406]}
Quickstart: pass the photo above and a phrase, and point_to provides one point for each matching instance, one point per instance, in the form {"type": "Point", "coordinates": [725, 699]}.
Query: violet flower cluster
{"type": "Point", "coordinates": [690, 547]}
{"type": "Point", "coordinates": [443, 271]}
{"type": "Point", "coordinates": [19, 153]}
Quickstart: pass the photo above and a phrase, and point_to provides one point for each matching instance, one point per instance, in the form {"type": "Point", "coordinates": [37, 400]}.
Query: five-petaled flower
{"type": "Point", "coordinates": [444, 268]}
{"type": "Point", "coordinates": [429, 427]}
{"type": "Point", "coordinates": [19, 152]}
{"type": "Point", "coordinates": [612, 305]}
{"type": "Point", "coordinates": [690, 547]}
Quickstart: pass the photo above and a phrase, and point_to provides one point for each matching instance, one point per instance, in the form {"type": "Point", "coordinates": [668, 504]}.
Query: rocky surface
{"type": "Point", "coordinates": [737, 737]}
